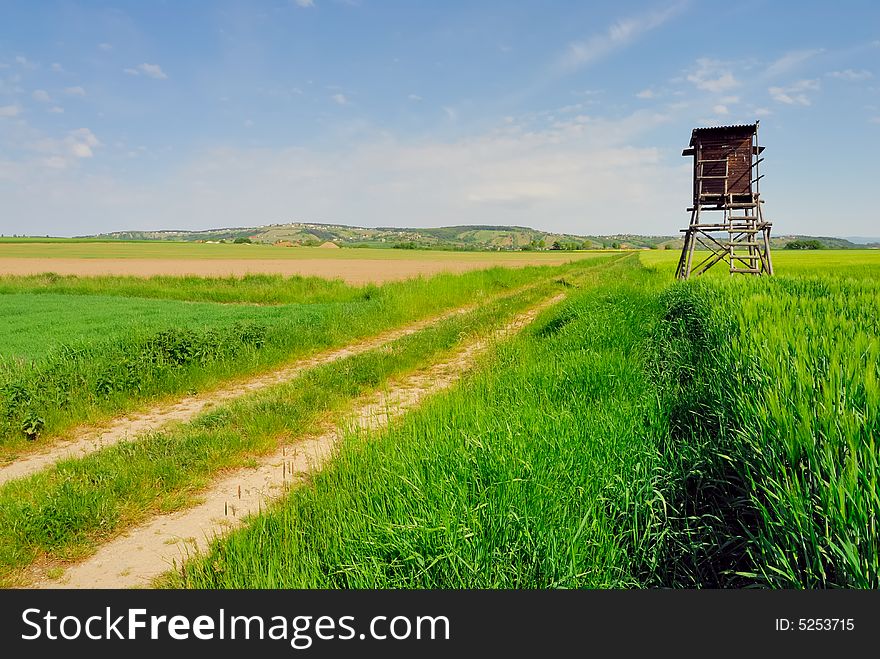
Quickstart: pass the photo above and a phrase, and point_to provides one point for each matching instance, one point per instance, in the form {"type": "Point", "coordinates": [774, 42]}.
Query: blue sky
{"type": "Point", "coordinates": [565, 116]}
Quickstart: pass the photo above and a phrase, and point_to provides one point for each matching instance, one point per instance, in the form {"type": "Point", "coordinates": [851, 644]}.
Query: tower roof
{"type": "Point", "coordinates": [733, 128]}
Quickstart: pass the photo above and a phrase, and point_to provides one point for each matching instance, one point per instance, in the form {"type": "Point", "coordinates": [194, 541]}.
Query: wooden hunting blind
{"type": "Point", "coordinates": [726, 160]}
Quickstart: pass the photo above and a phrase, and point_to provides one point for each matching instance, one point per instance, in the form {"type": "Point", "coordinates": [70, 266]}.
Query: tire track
{"type": "Point", "coordinates": [143, 553]}
{"type": "Point", "coordinates": [131, 426]}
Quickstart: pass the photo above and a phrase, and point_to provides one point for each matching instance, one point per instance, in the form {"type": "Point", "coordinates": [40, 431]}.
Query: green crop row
{"type": "Point", "coordinates": [772, 389]}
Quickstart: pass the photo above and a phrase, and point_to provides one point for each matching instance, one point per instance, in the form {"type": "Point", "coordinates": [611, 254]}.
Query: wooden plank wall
{"type": "Point", "coordinates": [736, 147]}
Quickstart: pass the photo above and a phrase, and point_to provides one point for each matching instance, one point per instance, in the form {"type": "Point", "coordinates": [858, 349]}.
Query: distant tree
{"type": "Point", "coordinates": [556, 245]}
{"type": "Point", "coordinates": [615, 245]}
{"type": "Point", "coordinates": [242, 241]}
{"type": "Point", "coordinates": [804, 244]}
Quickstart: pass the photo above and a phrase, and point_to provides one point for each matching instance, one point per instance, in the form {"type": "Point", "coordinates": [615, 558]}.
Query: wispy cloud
{"type": "Point", "coordinates": [24, 62]}
{"type": "Point", "coordinates": [340, 99]}
{"type": "Point", "coordinates": [75, 91]}
{"type": "Point", "coordinates": [618, 35]}
{"type": "Point", "coordinates": [41, 95]}
{"type": "Point", "coordinates": [149, 70]}
{"type": "Point", "coordinates": [9, 110]}
{"type": "Point", "coordinates": [790, 61]}
{"type": "Point", "coordinates": [646, 94]}
{"type": "Point", "coordinates": [304, 4]}
{"type": "Point", "coordinates": [57, 68]}
{"type": "Point", "coordinates": [56, 109]}
{"type": "Point", "coordinates": [712, 76]}
{"type": "Point", "coordinates": [105, 46]}
{"type": "Point", "coordinates": [851, 75]}
{"type": "Point", "coordinates": [415, 97]}
{"type": "Point", "coordinates": [795, 93]}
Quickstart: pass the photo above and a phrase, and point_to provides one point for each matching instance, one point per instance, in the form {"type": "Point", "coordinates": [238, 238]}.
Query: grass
{"type": "Point", "coordinates": [64, 511]}
{"type": "Point", "coordinates": [183, 346]}
{"type": "Point", "coordinates": [858, 263]}
{"type": "Point", "coordinates": [777, 419]}
{"type": "Point", "coordinates": [249, 289]}
{"type": "Point", "coordinates": [532, 474]}
{"type": "Point", "coordinates": [644, 434]}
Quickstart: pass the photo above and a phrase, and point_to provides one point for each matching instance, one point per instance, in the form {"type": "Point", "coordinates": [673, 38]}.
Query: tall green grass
{"type": "Point", "coordinates": [535, 473]}
{"type": "Point", "coordinates": [719, 432]}
{"type": "Point", "coordinates": [772, 388]}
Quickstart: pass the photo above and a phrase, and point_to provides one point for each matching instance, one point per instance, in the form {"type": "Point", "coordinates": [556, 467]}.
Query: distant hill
{"type": "Point", "coordinates": [469, 238]}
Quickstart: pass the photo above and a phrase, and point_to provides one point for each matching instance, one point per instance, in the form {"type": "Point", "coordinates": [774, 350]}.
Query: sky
{"type": "Point", "coordinates": [561, 116]}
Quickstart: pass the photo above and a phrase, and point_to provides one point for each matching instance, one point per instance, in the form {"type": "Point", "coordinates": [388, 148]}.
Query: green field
{"type": "Point", "coordinates": [87, 249]}
{"type": "Point", "coordinates": [69, 356]}
{"type": "Point", "coordinates": [642, 433]}
{"type": "Point", "coordinates": [843, 262]}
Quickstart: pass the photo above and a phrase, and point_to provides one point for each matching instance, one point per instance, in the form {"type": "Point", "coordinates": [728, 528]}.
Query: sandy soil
{"type": "Point", "coordinates": [353, 271]}
{"type": "Point", "coordinates": [143, 553]}
{"type": "Point", "coordinates": [83, 441]}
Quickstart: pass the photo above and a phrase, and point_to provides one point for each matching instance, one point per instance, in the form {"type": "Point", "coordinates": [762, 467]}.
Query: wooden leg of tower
{"type": "Point", "coordinates": [692, 242]}
{"type": "Point", "coordinates": [682, 259]}
{"type": "Point", "coordinates": [767, 258]}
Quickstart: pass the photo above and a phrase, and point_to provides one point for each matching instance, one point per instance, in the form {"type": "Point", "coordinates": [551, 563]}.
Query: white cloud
{"type": "Point", "coordinates": [790, 61]}
{"type": "Point", "coordinates": [23, 61]}
{"type": "Point", "coordinates": [795, 93]}
{"type": "Point", "coordinates": [56, 110]}
{"type": "Point", "coordinates": [75, 91]}
{"type": "Point", "coordinates": [248, 123]}
{"type": "Point", "coordinates": [41, 95]}
{"type": "Point", "coordinates": [149, 70]}
{"type": "Point", "coordinates": [105, 46]}
{"type": "Point", "coordinates": [450, 113]}
{"type": "Point", "coordinates": [851, 75]}
{"type": "Point", "coordinates": [9, 110]}
{"type": "Point", "coordinates": [720, 109]}
{"type": "Point", "coordinates": [415, 97]}
{"type": "Point", "coordinates": [712, 76]}
{"type": "Point", "coordinates": [340, 99]}
{"type": "Point", "coordinates": [152, 71]}
{"type": "Point", "coordinates": [80, 142]}
{"type": "Point", "coordinates": [304, 4]}
{"type": "Point", "coordinates": [57, 68]}
{"type": "Point", "coordinates": [618, 35]}
{"type": "Point", "coordinates": [646, 94]}
{"type": "Point", "coordinates": [762, 112]}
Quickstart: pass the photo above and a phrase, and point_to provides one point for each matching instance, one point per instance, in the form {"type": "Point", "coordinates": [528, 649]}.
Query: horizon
{"type": "Point", "coordinates": [853, 239]}
{"type": "Point", "coordinates": [564, 118]}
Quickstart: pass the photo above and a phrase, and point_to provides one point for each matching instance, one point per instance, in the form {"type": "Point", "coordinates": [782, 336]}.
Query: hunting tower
{"type": "Point", "coordinates": [726, 160]}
